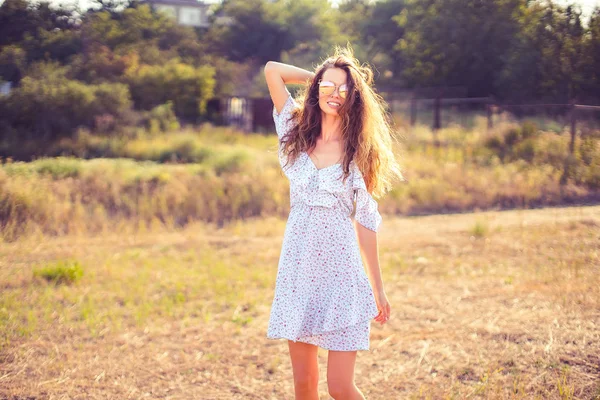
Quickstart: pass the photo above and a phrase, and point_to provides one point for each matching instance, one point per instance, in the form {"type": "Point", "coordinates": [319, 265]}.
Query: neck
{"type": "Point", "coordinates": [331, 127]}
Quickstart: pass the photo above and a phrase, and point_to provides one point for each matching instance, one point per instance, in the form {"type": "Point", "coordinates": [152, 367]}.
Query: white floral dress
{"type": "Point", "coordinates": [322, 292]}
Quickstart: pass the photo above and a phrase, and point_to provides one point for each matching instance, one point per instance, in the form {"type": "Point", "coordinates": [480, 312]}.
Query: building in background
{"type": "Point", "coordinates": [186, 12]}
{"type": "Point", "coordinates": [5, 88]}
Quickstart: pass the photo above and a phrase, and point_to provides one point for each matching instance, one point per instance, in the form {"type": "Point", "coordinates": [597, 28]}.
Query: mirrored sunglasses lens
{"type": "Point", "coordinates": [326, 89]}
{"type": "Point", "coordinates": [343, 91]}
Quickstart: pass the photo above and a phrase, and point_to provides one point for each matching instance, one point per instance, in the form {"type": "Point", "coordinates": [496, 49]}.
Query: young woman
{"type": "Point", "coordinates": [335, 147]}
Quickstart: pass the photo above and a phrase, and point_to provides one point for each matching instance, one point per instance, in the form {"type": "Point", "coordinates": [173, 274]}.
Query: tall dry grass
{"type": "Point", "coordinates": [217, 175]}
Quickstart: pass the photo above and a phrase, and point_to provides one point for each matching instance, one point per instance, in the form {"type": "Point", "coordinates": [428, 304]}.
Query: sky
{"type": "Point", "coordinates": [586, 5]}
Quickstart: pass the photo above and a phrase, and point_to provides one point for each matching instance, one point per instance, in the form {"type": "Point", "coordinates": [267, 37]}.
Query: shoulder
{"type": "Point", "coordinates": [287, 109]}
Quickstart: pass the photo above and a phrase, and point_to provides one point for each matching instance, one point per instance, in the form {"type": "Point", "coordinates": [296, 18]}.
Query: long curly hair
{"type": "Point", "coordinates": [366, 131]}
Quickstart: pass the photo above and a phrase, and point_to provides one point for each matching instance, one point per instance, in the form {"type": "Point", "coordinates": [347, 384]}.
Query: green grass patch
{"type": "Point", "coordinates": [60, 272]}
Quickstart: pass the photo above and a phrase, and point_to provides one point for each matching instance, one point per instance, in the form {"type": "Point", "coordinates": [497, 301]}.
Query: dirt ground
{"type": "Point", "coordinates": [494, 305]}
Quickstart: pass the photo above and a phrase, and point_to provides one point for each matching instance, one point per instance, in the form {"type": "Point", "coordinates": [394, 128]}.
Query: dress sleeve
{"type": "Point", "coordinates": [283, 122]}
{"type": "Point", "coordinates": [367, 213]}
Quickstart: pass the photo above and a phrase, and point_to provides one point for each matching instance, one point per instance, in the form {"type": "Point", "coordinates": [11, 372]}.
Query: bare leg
{"type": "Point", "coordinates": [340, 376]}
{"type": "Point", "coordinates": [306, 370]}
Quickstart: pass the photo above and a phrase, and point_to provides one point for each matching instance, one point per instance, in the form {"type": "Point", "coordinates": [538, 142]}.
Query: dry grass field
{"type": "Point", "coordinates": [489, 305]}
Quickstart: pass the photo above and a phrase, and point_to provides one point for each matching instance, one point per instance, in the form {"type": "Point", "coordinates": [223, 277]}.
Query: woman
{"type": "Point", "coordinates": [335, 149]}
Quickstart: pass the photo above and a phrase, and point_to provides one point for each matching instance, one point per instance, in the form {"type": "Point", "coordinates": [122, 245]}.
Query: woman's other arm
{"type": "Point", "coordinates": [367, 240]}
{"type": "Point", "coordinates": [278, 75]}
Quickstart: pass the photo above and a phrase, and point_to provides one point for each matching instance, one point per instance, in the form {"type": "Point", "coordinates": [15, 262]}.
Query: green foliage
{"type": "Point", "coordinates": [50, 108]}
{"type": "Point", "coordinates": [545, 58]}
{"type": "Point", "coordinates": [101, 64]}
{"type": "Point", "coordinates": [377, 27]}
{"type": "Point", "coordinates": [186, 86]}
{"type": "Point", "coordinates": [232, 162]}
{"type": "Point", "coordinates": [589, 150]}
{"type": "Point", "coordinates": [525, 150]}
{"type": "Point", "coordinates": [131, 27]}
{"type": "Point", "coordinates": [592, 54]}
{"type": "Point", "coordinates": [262, 30]}
{"type": "Point", "coordinates": [56, 44]}
{"type": "Point", "coordinates": [528, 129]}
{"type": "Point", "coordinates": [592, 177]}
{"type": "Point", "coordinates": [480, 229]}
{"type": "Point", "coordinates": [456, 42]}
{"type": "Point", "coordinates": [12, 63]}
{"type": "Point", "coordinates": [58, 168]}
{"type": "Point", "coordinates": [62, 271]}
{"type": "Point", "coordinates": [20, 19]}
{"type": "Point", "coordinates": [515, 142]}
{"type": "Point", "coordinates": [514, 50]}
{"type": "Point", "coordinates": [161, 119]}
{"type": "Point", "coordinates": [526, 143]}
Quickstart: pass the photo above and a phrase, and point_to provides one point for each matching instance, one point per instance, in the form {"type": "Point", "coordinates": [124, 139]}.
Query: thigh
{"type": "Point", "coordinates": [304, 361]}
{"type": "Point", "coordinates": [340, 368]}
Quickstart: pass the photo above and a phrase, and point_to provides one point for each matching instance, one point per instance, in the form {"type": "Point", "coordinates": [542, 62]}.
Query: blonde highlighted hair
{"type": "Point", "coordinates": [366, 132]}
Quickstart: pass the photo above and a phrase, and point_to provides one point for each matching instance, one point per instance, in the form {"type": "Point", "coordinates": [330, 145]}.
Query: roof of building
{"type": "Point", "coordinates": [187, 3]}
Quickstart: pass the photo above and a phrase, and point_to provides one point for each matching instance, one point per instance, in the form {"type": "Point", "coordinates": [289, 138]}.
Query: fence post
{"type": "Point", "coordinates": [490, 113]}
{"type": "Point", "coordinates": [413, 109]}
{"type": "Point", "coordinates": [436, 117]}
{"type": "Point", "coordinates": [573, 125]}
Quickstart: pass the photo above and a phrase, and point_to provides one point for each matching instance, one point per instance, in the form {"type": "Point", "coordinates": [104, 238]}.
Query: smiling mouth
{"type": "Point", "coordinates": [334, 104]}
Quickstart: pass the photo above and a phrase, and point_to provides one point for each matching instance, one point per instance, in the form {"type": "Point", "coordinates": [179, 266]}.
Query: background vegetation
{"type": "Point", "coordinates": [102, 183]}
{"type": "Point", "coordinates": [106, 68]}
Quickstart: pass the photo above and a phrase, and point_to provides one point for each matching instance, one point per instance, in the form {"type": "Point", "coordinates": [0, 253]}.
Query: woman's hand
{"type": "Point", "coordinates": [278, 75]}
{"type": "Point", "coordinates": [383, 306]}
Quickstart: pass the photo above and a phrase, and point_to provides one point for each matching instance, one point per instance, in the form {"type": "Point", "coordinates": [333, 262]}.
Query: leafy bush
{"type": "Point", "coordinates": [525, 150]}
{"type": "Point", "coordinates": [161, 119]}
{"type": "Point", "coordinates": [512, 136]}
{"type": "Point", "coordinates": [529, 129]}
{"type": "Point", "coordinates": [589, 149]}
{"type": "Point", "coordinates": [48, 109]}
{"type": "Point", "coordinates": [12, 63]}
{"type": "Point", "coordinates": [592, 177]}
{"type": "Point", "coordinates": [551, 149]}
{"type": "Point", "coordinates": [188, 87]}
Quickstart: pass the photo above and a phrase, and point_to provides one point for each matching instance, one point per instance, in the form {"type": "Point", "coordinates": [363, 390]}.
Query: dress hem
{"type": "Point", "coordinates": [287, 337]}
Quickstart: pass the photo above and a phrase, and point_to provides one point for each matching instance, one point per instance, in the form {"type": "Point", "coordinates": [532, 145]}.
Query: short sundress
{"type": "Point", "coordinates": [322, 293]}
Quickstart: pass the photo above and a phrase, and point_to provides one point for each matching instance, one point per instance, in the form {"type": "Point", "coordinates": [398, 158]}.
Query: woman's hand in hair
{"type": "Point", "coordinates": [278, 75]}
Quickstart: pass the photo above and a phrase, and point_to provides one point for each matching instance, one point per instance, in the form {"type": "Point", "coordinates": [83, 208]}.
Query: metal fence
{"type": "Point", "coordinates": [255, 114]}
{"type": "Point", "coordinates": [439, 111]}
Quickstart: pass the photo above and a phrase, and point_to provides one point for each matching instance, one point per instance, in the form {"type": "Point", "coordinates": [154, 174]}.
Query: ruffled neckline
{"type": "Point", "coordinates": [315, 167]}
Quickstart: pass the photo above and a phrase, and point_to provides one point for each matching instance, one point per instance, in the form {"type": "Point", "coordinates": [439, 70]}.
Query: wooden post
{"type": "Point", "coordinates": [436, 113]}
{"type": "Point", "coordinates": [437, 117]}
{"type": "Point", "coordinates": [573, 126]}
{"type": "Point", "coordinates": [490, 113]}
{"type": "Point", "coordinates": [413, 109]}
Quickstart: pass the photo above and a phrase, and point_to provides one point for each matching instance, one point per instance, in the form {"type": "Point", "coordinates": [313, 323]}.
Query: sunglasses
{"type": "Point", "coordinates": [327, 87]}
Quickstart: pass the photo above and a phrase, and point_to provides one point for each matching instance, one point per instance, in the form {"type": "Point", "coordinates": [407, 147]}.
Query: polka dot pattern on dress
{"type": "Point", "coordinates": [322, 292]}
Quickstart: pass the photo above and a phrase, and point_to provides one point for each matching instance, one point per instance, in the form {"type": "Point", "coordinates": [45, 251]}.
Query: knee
{"type": "Point", "coordinates": [306, 383]}
{"type": "Point", "coordinates": [341, 390]}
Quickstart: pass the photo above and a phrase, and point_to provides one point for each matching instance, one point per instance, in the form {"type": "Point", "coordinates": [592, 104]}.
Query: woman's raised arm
{"type": "Point", "coordinates": [278, 75]}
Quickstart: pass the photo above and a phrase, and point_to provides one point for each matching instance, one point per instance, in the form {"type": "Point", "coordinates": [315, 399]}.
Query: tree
{"type": "Point", "coordinates": [188, 87]}
{"type": "Point", "coordinates": [456, 42]}
{"type": "Point", "coordinates": [591, 59]}
{"type": "Point", "coordinates": [545, 59]}
{"type": "Point", "coordinates": [261, 30]}
{"type": "Point", "coordinates": [375, 28]}
{"type": "Point", "coordinates": [19, 17]}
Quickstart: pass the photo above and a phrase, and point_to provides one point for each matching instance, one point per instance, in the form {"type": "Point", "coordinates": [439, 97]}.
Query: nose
{"type": "Point", "coordinates": [336, 92]}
